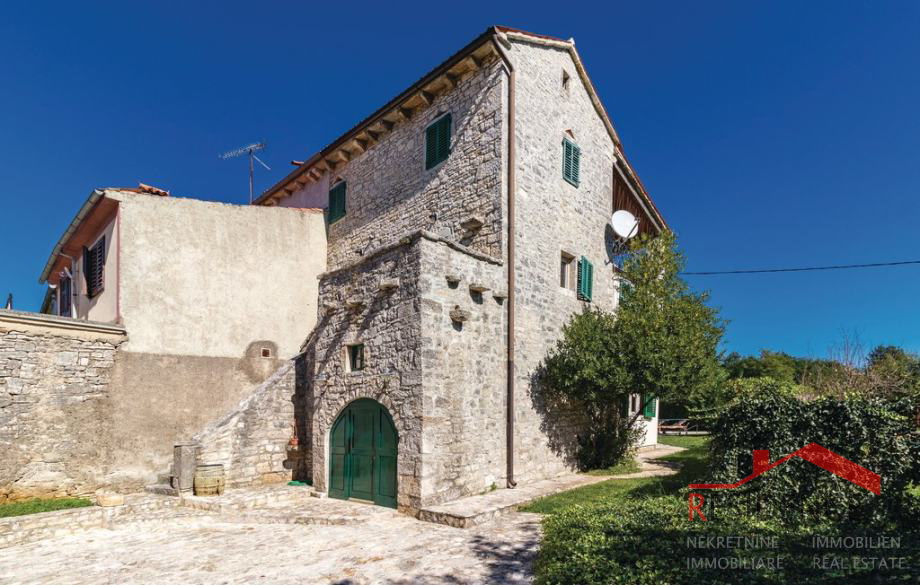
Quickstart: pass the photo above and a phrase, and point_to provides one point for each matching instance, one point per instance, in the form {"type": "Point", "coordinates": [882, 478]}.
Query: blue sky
{"type": "Point", "coordinates": [770, 134]}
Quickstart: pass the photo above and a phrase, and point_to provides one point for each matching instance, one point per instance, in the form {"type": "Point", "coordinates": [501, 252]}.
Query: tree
{"type": "Point", "coordinates": [661, 344]}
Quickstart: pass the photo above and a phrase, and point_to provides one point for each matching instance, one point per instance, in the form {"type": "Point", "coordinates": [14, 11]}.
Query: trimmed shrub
{"type": "Point", "coordinates": [650, 541]}
{"type": "Point", "coordinates": [877, 434]}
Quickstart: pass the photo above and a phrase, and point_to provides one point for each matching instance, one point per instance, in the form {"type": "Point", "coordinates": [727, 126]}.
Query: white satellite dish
{"type": "Point", "coordinates": [624, 224]}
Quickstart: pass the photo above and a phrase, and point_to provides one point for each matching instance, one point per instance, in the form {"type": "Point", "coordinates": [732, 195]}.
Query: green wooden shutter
{"type": "Point", "coordinates": [437, 141]}
{"type": "Point", "coordinates": [585, 287]}
{"type": "Point", "coordinates": [649, 410]}
{"type": "Point", "coordinates": [337, 202]}
{"type": "Point", "coordinates": [571, 158]}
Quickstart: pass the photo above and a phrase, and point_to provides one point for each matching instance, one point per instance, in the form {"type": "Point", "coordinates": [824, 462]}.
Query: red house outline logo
{"type": "Point", "coordinates": [813, 453]}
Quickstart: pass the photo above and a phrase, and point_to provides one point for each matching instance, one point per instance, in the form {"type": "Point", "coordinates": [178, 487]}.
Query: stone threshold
{"type": "Point", "coordinates": [475, 510]}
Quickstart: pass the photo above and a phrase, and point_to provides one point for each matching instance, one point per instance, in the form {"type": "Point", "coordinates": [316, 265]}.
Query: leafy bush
{"type": "Point", "coordinates": [877, 434]}
{"type": "Point", "coordinates": [645, 541]}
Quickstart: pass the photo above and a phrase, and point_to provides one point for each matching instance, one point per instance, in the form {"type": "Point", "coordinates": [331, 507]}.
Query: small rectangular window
{"type": "Point", "coordinates": [437, 141]}
{"type": "Point", "coordinates": [585, 287]}
{"type": "Point", "coordinates": [64, 288]}
{"type": "Point", "coordinates": [566, 270]}
{"type": "Point", "coordinates": [94, 268]}
{"type": "Point", "coordinates": [337, 202]}
{"type": "Point", "coordinates": [356, 357]}
{"type": "Point", "coordinates": [571, 161]}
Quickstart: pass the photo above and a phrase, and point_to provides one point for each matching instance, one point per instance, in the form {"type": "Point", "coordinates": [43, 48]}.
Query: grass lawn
{"type": "Point", "coordinates": [693, 462]}
{"type": "Point", "coordinates": [35, 506]}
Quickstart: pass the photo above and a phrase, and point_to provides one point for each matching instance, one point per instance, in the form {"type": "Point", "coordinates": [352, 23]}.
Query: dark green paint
{"type": "Point", "coordinates": [362, 454]}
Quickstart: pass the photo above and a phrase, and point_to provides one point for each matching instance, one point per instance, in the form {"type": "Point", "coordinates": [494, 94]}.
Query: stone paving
{"type": "Point", "coordinates": [386, 547]}
{"type": "Point", "coordinates": [283, 535]}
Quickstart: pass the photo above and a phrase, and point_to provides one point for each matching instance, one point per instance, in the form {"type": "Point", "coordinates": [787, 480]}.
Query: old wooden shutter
{"type": "Point", "coordinates": [650, 402]}
{"type": "Point", "coordinates": [337, 202]}
{"type": "Point", "coordinates": [585, 288]}
{"type": "Point", "coordinates": [437, 141]}
{"type": "Point", "coordinates": [571, 161]}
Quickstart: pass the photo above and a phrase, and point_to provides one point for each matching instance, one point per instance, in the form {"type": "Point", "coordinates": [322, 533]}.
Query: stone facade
{"type": "Point", "coordinates": [390, 193]}
{"type": "Point", "coordinates": [357, 309]}
{"type": "Point", "coordinates": [54, 400]}
{"type": "Point", "coordinates": [252, 441]}
{"type": "Point", "coordinates": [437, 345]}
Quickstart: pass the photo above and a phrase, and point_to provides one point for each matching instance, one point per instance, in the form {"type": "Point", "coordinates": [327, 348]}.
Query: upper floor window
{"type": "Point", "coordinates": [585, 285]}
{"type": "Point", "coordinates": [94, 268]}
{"type": "Point", "coordinates": [566, 271]}
{"type": "Point", "coordinates": [337, 202]}
{"type": "Point", "coordinates": [437, 141]}
{"type": "Point", "coordinates": [65, 292]}
{"type": "Point", "coordinates": [571, 161]}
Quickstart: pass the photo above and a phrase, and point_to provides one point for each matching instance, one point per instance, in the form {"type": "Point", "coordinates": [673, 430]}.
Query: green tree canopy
{"type": "Point", "coordinates": [661, 343]}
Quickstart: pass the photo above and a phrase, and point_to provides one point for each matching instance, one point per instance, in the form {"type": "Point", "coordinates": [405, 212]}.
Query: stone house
{"type": "Point", "coordinates": [422, 265]}
{"type": "Point", "coordinates": [467, 221]}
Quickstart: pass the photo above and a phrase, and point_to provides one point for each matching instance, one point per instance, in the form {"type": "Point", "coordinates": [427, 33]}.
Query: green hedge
{"type": "Point", "coordinates": [645, 542]}
{"type": "Point", "coordinates": [879, 435]}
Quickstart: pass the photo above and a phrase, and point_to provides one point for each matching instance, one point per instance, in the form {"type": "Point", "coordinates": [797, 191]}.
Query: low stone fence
{"type": "Point", "coordinates": [54, 382]}
{"type": "Point", "coordinates": [32, 527]}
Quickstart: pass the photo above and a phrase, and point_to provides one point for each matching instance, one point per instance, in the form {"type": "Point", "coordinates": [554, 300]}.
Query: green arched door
{"type": "Point", "coordinates": [362, 454]}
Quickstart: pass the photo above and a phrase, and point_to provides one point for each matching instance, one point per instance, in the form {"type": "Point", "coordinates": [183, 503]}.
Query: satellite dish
{"type": "Point", "coordinates": [624, 224]}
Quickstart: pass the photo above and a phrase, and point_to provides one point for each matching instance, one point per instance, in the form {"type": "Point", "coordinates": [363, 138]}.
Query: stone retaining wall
{"type": "Point", "coordinates": [54, 396]}
{"type": "Point", "coordinates": [31, 527]}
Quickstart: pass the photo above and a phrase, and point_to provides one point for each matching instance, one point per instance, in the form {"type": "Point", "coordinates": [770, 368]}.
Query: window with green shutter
{"type": "Point", "coordinates": [337, 202]}
{"type": "Point", "coordinates": [571, 161]}
{"type": "Point", "coordinates": [650, 403]}
{"type": "Point", "coordinates": [437, 141]}
{"type": "Point", "coordinates": [585, 285]}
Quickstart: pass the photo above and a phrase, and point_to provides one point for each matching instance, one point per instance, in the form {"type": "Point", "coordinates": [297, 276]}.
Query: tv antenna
{"type": "Point", "coordinates": [251, 151]}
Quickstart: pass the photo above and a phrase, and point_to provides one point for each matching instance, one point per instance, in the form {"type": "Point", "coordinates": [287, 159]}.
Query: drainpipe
{"type": "Point", "coordinates": [498, 39]}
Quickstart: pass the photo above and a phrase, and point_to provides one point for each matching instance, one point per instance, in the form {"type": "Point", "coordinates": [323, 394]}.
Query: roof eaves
{"type": "Point", "coordinates": [84, 210]}
{"type": "Point", "coordinates": [368, 121]}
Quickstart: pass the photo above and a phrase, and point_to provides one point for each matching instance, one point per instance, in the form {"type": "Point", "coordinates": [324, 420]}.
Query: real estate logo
{"type": "Point", "coordinates": [813, 453]}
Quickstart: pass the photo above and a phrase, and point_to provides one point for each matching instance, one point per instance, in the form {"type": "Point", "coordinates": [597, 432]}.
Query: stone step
{"type": "Point", "coordinates": [162, 489]}
{"type": "Point", "coordinates": [474, 510]}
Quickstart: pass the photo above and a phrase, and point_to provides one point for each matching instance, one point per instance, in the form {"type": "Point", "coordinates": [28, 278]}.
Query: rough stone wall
{"type": "Point", "coordinates": [553, 217]}
{"type": "Point", "coordinates": [54, 404]}
{"type": "Point", "coordinates": [388, 324]}
{"type": "Point", "coordinates": [463, 373]}
{"type": "Point", "coordinates": [251, 442]}
{"type": "Point", "coordinates": [390, 193]}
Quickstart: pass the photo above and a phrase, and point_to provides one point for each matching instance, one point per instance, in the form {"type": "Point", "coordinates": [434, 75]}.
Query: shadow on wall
{"type": "Point", "coordinates": [559, 420]}
{"type": "Point", "coordinates": [299, 459]}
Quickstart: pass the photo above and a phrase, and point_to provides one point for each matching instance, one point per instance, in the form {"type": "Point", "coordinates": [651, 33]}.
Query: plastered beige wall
{"type": "Point", "coordinates": [214, 280]}
{"type": "Point", "coordinates": [103, 307]}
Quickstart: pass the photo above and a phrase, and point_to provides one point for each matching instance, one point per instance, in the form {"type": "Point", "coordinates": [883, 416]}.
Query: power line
{"type": "Point", "coordinates": [805, 269]}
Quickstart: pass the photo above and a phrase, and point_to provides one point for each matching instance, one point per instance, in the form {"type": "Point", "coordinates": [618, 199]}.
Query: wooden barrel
{"type": "Point", "coordinates": [209, 480]}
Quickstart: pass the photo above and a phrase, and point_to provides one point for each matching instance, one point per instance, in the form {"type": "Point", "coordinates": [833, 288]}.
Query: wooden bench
{"type": "Point", "coordinates": [679, 425]}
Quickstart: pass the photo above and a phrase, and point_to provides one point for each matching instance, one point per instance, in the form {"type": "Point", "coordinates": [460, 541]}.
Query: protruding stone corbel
{"type": "Point", "coordinates": [354, 303]}
{"type": "Point", "coordinates": [389, 284]}
{"type": "Point", "coordinates": [499, 295]}
{"type": "Point", "coordinates": [478, 287]}
{"type": "Point", "coordinates": [452, 279]}
{"type": "Point", "coordinates": [458, 315]}
{"type": "Point", "coordinates": [472, 224]}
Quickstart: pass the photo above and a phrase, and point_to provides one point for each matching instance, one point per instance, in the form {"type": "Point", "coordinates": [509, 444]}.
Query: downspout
{"type": "Point", "coordinates": [498, 39]}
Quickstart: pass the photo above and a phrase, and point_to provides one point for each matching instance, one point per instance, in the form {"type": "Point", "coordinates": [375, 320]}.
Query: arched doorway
{"type": "Point", "coordinates": [362, 454]}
